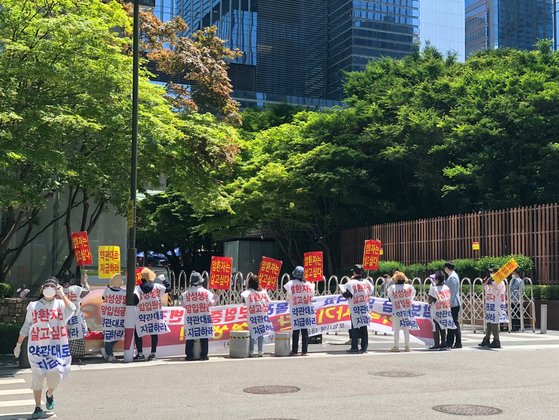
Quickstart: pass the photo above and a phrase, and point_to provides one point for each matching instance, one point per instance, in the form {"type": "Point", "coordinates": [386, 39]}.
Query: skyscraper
{"type": "Point", "coordinates": [296, 51]}
{"type": "Point", "coordinates": [164, 10]}
{"type": "Point", "coordinates": [508, 23]}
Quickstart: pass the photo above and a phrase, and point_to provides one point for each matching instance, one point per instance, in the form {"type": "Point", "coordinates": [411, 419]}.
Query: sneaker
{"type": "Point", "coordinates": [151, 356]}
{"type": "Point", "coordinates": [292, 354]}
{"type": "Point", "coordinates": [260, 354]}
{"type": "Point", "coordinates": [38, 413]}
{"type": "Point", "coordinates": [457, 346]}
{"type": "Point", "coordinates": [407, 348]}
{"type": "Point", "coordinates": [104, 354]}
{"type": "Point", "coordinates": [394, 349]}
{"type": "Point", "coordinates": [110, 358]}
{"type": "Point", "coordinates": [49, 401]}
{"type": "Point", "coordinates": [204, 358]}
{"type": "Point", "coordinates": [364, 351]}
{"type": "Point", "coordinates": [435, 348]}
{"type": "Point", "coordinates": [304, 354]}
{"type": "Point", "coordinates": [139, 357]}
{"type": "Point", "coordinates": [353, 351]}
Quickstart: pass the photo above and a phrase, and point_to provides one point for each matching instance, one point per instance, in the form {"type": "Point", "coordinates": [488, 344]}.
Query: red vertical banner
{"type": "Point", "coordinates": [314, 266]}
{"type": "Point", "coordinates": [80, 242]}
{"type": "Point", "coordinates": [371, 254]}
{"type": "Point", "coordinates": [269, 273]}
{"type": "Point", "coordinates": [221, 270]}
{"type": "Point", "coordinates": [139, 276]}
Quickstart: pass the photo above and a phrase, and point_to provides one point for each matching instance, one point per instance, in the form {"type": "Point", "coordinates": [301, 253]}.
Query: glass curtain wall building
{"type": "Point", "coordinates": [296, 51]}
{"type": "Point", "coordinates": [509, 23]}
{"type": "Point", "coordinates": [164, 10]}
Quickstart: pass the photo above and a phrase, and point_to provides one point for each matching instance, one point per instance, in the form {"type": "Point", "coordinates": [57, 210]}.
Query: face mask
{"type": "Point", "coordinates": [49, 292]}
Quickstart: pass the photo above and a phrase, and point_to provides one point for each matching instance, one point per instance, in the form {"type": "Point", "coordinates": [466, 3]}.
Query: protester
{"type": "Point", "coordinates": [150, 321]}
{"type": "Point", "coordinates": [357, 292]}
{"type": "Point", "coordinates": [441, 314]}
{"type": "Point", "coordinates": [259, 323]}
{"type": "Point", "coordinates": [198, 325]}
{"type": "Point", "coordinates": [300, 294]}
{"type": "Point", "coordinates": [515, 289]}
{"type": "Point", "coordinates": [47, 347]}
{"type": "Point", "coordinates": [77, 326]}
{"type": "Point", "coordinates": [387, 281]}
{"type": "Point", "coordinates": [113, 311]}
{"type": "Point", "coordinates": [454, 336]}
{"type": "Point", "coordinates": [495, 309]}
{"type": "Point", "coordinates": [401, 295]}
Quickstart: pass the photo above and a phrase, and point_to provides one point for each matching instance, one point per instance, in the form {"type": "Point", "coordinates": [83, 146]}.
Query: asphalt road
{"type": "Point", "coordinates": [521, 380]}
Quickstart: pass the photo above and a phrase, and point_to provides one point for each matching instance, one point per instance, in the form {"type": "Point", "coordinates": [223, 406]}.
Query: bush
{"type": "Point", "coordinates": [525, 264]}
{"type": "Point", "coordinates": [415, 270]}
{"type": "Point", "coordinates": [6, 290]}
{"type": "Point", "coordinates": [435, 265]}
{"type": "Point", "coordinates": [466, 268]}
{"type": "Point", "coordinates": [387, 267]}
{"type": "Point", "coordinates": [9, 334]}
{"type": "Point", "coordinates": [546, 292]}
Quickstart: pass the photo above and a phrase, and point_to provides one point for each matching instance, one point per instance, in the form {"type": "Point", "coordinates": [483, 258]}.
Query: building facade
{"type": "Point", "coordinates": [164, 10]}
{"type": "Point", "coordinates": [297, 51]}
{"type": "Point", "coordinates": [515, 24]}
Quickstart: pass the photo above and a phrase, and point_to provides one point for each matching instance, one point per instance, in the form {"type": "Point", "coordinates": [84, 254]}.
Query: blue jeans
{"type": "Point", "coordinates": [260, 344]}
{"type": "Point", "coordinates": [109, 345]}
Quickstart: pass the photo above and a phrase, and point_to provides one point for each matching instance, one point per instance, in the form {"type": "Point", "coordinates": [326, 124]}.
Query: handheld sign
{"type": "Point", "coordinates": [505, 271]}
{"type": "Point", "coordinates": [139, 276]}
{"type": "Point", "coordinates": [80, 242]}
{"type": "Point", "coordinates": [371, 254]}
{"type": "Point", "coordinates": [269, 273]}
{"type": "Point", "coordinates": [221, 270]}
{"type": "Point", "coordinates": [313, 266]}
{"type": "Point", "coordinates": [109, 261]}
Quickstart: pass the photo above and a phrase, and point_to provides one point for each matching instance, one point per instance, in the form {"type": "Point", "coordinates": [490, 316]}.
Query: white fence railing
{"type": "Point", "coordinates": [471, 293]}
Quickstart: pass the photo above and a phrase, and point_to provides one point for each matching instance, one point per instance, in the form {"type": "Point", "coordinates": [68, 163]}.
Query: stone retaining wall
{"type": "Point", "coordinates": [12, 310]}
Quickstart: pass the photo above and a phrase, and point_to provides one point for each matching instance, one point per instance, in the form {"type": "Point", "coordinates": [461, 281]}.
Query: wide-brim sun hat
{"type": "Point", "coordinates": [147, 274]}
{"type": "Point", "coordinates": [196, 279]}
{"type": "Point", "coordinates": [116, 281]}
{"type": "Point", "coordinates": [298, 273]}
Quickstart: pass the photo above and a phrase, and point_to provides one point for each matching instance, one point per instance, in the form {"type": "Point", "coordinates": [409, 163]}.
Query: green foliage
{"type": "Point", "coordinates": [9, 334]}
{"type": "Point", "coordinates": [546, 292]}
{"type": "Point", "coordinates": [435, 265]}
{"type": "Point", "coordinates": [415, 270]}
{"type": "Point", "coordinates": [466, 268]}
{"type": "Point", "coordinates": [388, 267]}
{"type": "Point", "coordinates": [525, 264]}
{"type": "Point", "coordinates": [6, 290]}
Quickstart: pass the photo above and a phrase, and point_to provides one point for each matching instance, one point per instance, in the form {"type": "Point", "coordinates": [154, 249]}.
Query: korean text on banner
{"type": "Point", "coordinates": [221, 270]}
{"type": "Point", "coordinates": [269, 273]}
{"type": "Point", "coordinates": [505, 271]}
{"type": "Point", "coordinates": [80, 242]}
{"type": "Point", "coordinates": [109, 261]}
{"type": "Point", "coordinates": [313, 266]}
{"type": "Point", "coordinates": [371, 254]}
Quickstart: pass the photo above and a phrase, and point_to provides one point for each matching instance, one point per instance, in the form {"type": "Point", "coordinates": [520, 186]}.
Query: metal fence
{"type": "Point", "coordinates": [472, 296]}
{"type": "Point", "coordinates": [531, 231]}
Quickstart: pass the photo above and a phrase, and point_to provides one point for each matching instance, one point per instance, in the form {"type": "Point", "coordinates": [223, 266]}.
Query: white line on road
{"type": "Point", "coordinates": [17, 403]}
{"type": "Point", "coordinates": [15, 391]}
{"type": "Point", "coordinates": [11, 381]}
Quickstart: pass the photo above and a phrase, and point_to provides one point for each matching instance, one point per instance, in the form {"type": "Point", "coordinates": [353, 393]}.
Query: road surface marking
{"type": "Point", "coordinates": [11, 381]}
{"type": "Point", "coordinates": [15, 391]}
{"type": "Point", "coordinates": [17, 403]}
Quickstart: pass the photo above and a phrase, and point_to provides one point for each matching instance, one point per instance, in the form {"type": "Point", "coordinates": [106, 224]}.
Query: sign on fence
{"type": "Point", "coordinates": [221, 270]}
{"type": "Point", "coordinates": [269, 273]}
{"type": "Point", "coordinates": [80, 242]}
{"type": "Point", "coordinates": [505, 271]}
{"type": "Point", "coordinates": [371, 254]}
{"type": "Point", "coordinates": [313, 266]}
{"type": "Point", "coordinates": [109, 261]}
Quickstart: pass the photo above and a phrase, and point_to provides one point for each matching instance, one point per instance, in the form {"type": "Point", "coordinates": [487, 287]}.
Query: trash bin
{"type": "Point", "coordinates": [283, 344]}
{"type": "Point", "coordinates": [315, 339]}
{"type": "Point", "coordinates": [23, 356]}
{"type": "Point", "coordinates": [239, 342]}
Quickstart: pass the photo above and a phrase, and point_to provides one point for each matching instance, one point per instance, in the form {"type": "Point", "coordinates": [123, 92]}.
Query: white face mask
{"type": "Point", "coordinates": [49, 292]}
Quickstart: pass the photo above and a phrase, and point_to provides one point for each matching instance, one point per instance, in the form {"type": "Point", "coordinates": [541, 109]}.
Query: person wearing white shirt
{"type": "Point", "coordinates": [77, 326]}
{"type": "Point", "coordinates": [401, 294]}
{"type": "Point", "coordinates": [515, 290]}
{"type": "Point", "coordinates": [454, 337]}
{"type": "Point", "coordinates": [495, 308]}
{"type": "Point", "coordinates": [47, 346]}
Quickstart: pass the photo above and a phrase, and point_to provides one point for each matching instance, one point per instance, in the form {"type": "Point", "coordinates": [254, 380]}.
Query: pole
{"type": "Point", "coordinates": [130, 318]}
{"type": "Point", "coordinates": [543, 320]}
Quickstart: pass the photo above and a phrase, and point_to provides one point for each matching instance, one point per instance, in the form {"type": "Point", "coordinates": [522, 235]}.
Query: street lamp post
{"type": "Point", "coordinates": [130, 318]}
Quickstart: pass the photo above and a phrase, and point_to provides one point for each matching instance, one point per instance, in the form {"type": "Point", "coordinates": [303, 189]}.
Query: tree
{"type": "Point", "coordinates": [65, 83]}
